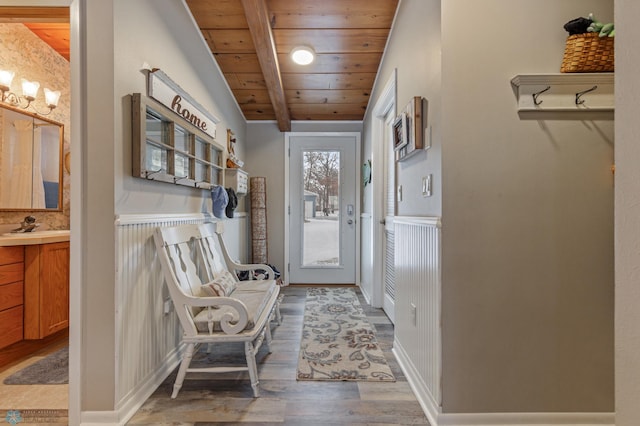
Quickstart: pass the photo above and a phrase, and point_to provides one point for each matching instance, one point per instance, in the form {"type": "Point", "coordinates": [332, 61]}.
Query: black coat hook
{"type": "Point", "coordinates": [579, 95]}
{"type": "Point", "coordinates": [148, 173]}
{"type": "Point", "coordinates": [536, 102]}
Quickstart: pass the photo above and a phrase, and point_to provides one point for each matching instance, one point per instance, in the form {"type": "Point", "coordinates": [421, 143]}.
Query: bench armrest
{"type": "Point", "coordinates": [235, 266]}
{"type": "Point", "coordinates": [269, 273]}
{"type": "Point", "coordinates": [229, 323]}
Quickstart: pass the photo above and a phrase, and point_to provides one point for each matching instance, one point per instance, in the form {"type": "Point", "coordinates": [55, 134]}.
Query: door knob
{"type": "Point", "coordinates": [350, 222]}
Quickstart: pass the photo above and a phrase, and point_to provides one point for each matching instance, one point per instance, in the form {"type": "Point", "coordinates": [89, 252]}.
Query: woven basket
{"type": "Point", "coordinates": [588, 52]}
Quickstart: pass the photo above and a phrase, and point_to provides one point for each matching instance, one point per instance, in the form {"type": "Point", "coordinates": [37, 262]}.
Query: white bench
{"type": "Point", "coordinates": [240, 314]}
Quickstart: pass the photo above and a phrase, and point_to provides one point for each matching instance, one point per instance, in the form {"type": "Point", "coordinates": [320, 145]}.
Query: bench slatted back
{"type": "Point", "coordinates": [212, 252]}
{"type": "Point", "coordinates": [176, 255]}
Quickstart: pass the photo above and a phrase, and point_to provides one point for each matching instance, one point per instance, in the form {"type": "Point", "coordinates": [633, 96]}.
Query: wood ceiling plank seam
{"type": "Point", "coordinates": [332, 41]}
{"type": "Point", "coordinates": [229, 41]}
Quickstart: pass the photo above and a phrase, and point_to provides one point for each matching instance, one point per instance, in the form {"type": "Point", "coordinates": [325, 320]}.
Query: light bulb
{"type": "Point", "coordinates": [30, 89]}
{"type": "Point", "coordinates": [6, 77]}
{"type": "Point", "coordinates": [51, 97]}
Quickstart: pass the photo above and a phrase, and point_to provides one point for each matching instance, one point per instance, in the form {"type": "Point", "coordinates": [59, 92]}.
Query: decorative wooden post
{"type": "Point", "coordinates": [258, 191]}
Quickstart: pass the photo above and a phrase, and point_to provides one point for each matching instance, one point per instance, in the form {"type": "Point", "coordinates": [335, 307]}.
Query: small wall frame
{"type": "Point", "coordinates": [416, 120]}
{"type": "Point", "coordinates": [400, 132]}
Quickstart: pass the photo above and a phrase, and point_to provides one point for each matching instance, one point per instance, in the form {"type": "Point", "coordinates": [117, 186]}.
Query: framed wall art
{"type": "Point", "coordinates": [415, 122]}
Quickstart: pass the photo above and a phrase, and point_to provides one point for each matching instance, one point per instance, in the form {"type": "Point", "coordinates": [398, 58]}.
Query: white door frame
{"type": "Point", "coordinates": [356, 216]}
{"type": "Point", "coordinates": [79, 126]}
{"type": "Point", "coordinates": [386, 103]}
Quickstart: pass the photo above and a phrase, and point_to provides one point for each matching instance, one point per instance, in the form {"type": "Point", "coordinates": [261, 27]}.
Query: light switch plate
{"type": "Point", "coordinates": [426, 185]}
{"type": "Point", "coordinates": [427, 137]}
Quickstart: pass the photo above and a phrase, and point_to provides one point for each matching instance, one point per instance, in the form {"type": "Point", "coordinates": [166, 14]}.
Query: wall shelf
{"type": "Point", "coordinates": [569, 96]}
{"type": "Point", "coordinates": [238, 180]}
{"type": "Point", "coordinates": [167, 148]}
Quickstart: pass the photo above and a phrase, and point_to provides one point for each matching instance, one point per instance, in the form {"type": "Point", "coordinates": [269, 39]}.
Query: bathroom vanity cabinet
{"type": "Point", "coordinates": [34, 292]}
{"type": "Point", "coordinates": [46, 289]}
{"type": "Point", "coordinates": [11, 295]}
{"type": "Point", "coordinates": [34, 286]}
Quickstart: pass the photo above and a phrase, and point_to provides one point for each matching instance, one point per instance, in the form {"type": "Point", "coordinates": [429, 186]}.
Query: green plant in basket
{"type": "Point", "coordinates": [604, 30]}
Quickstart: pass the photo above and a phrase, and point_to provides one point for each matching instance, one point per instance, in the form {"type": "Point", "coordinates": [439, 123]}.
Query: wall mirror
{"type": "Point", "coordinates": [30, 161]}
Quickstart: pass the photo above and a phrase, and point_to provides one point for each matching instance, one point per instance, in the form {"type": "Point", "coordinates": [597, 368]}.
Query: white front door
{"type": "Point", "coordinates": [322, 209]}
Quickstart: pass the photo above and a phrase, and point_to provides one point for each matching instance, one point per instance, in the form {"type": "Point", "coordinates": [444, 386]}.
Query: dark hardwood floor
{"type": "Point", "coordinates": [228, 399]}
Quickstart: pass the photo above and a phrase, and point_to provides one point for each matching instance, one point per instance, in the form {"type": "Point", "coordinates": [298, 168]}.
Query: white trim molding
{"type": "Point", "coordinates": [137, 219]}
{"type": "Point", "coordinates": [418, 220]}
{"type": "Point", "coordinates": [526, 419]}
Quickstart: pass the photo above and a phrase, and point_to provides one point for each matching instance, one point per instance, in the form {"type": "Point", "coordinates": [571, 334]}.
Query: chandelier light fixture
{"type": "Point", "coordinates": [29, 93]}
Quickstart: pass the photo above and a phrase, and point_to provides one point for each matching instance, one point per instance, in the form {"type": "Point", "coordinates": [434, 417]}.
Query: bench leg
{"type": "Point", "coordinates": [186, 360]}
{"type": "Point", "coordinates": [278, 314]}
{"type": "Point", "coordinates": [253, 368]}
{"type": "Point", "coordinates": [267, 332]}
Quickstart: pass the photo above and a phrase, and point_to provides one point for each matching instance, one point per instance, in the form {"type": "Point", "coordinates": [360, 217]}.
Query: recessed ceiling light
{"type": "Point", "coordinates": [303, 55]}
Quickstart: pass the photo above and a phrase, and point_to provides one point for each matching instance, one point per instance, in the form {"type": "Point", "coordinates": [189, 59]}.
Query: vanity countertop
{"type": "Point", "coordinates": [37, 237]}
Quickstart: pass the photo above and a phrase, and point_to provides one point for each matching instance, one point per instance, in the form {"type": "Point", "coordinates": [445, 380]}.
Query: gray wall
{"type": "Point", "coordinates": [627, 214]}
{"type": "Point", "coordinates": [162, 35]}
{"type": "Point", "coordinates": [414, 49]}
{"type": "Point", "coordinates": [527, 207]}
{"type": "Point", "coordinates": [527, 221]}
{"type": "Point", "coordinates": [265, 157]}
{"type": "Point", "coordinates": [121, 36]}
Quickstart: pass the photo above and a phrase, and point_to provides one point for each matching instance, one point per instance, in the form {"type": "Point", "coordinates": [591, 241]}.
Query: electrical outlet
{"type": "Point", "coordinates": [399, 193]}
{"type": "Point", "coordinates": [167, 306]}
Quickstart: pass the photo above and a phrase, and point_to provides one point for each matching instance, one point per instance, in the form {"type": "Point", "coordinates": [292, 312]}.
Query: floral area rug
{"type": "Point", "coordinates": [338, 343]}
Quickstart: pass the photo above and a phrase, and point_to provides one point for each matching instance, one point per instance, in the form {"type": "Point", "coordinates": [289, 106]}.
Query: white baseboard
{"type": "Point", "coordinates": [527, 419]}
{"type": "Point", "coordinates": [435, 416]}
{"type": "Point", "coordinates": [130, 404]}
{"type": "Point", "coordinates": [429, 405]}
{"type": "Point", "coordinates": [365, 293]}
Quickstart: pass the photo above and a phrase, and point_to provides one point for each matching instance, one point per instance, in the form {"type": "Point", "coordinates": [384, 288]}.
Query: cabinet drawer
{"type": "Point", "coordinates": [11, 295]}
{"type": "Point", "coordinates": [10, 326]}
{"type": "Point", "coordinates": [11, 273]}
{"type": "Point", "coordinates": [11, 255]}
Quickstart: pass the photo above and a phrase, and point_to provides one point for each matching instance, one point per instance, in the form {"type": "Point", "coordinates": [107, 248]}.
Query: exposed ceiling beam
{"type": "Point", "coordinates": [258, 19]}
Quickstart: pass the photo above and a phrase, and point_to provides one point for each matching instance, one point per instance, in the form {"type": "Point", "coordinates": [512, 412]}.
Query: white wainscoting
{"type": "Point", "coordinates": [418, 343]}
{"type": "Point", "coordinates": [418, 339]}
{"type": "Point", "coordinates": [147, 339]}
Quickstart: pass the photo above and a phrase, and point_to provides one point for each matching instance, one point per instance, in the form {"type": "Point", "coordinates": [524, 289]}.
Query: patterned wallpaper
{"type": "Point", "coordinates": [29, 57]}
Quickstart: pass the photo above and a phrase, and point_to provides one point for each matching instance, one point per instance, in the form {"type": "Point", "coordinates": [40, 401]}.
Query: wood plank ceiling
{"type": "Point", "coordinates": [348, 36]}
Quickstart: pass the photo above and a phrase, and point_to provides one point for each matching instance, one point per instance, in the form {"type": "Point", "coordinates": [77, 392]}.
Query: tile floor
{"type": "Point", "coordinates": [227, 399]}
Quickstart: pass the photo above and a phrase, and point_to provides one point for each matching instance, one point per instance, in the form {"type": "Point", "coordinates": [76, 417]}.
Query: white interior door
{"type": "Point", "coordinates": [322, 209]}
{"type": "Point", "coordinates": [388, 268]}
